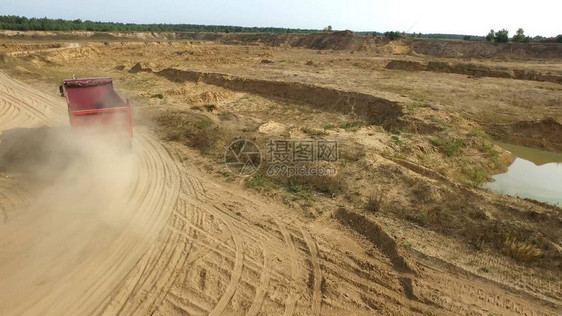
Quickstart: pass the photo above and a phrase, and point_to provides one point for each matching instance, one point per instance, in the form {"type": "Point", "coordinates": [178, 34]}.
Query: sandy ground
{"type": "Point", "coordinates": [215, 252]}
{"type": "Point", "coordinates": [152, 232]}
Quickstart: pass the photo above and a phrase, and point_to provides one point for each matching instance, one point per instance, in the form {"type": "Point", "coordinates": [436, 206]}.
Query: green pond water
{"type": "Point", "coordinates": [535, 174]}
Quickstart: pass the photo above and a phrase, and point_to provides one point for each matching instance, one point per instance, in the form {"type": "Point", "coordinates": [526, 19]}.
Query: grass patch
{"type": "Point", "coordinates": [429, 215]}
{"type": "Point", "coordinates": [197, 131]}
{"type": "Point", "coordinates": [421, 218]}
{"type": "Point", "coordinates": [485, 144]}
{"type": "Point", "coordinates": [304, 189]}
{"type": "Point", "coordinates": [442, 125]}
{"type": "Point", "coordinates": [477, 178]}
{"type": "Point", "coordinates": [396, 140]}
{"type": "Point", "coordinates": [353, 125]}
{"type": "Point", "coordinates": [205, 123]}
{"type": "Point", "coordinates": [375, 202]}
{"type": "Point", "coordinates": [261, 183]}
{"type": "Point", "coordinates": [301, 194]}
{"type": "Point", "coordinates": [414, 105]}
{"type": "Point", "coordinates": [521, 250]}
{"type": "Point", "coordinates": [157, 96]}
{"type": "Point", "coordinates": [478, 133]}
{"type": "Point", "coordinates": [327, 185]}
{"type": "Point", "coordinates": [491, 152]}
{"type": "Point", "coordinates": [351, 152]}
{"type": "Point", "coordinates": [448, 145]}
{"type": "Point", "coordinates": [307, 198]}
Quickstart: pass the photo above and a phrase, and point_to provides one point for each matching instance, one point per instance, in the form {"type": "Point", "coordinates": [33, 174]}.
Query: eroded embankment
{"type": "Point", "coordinates": [11, 47]}
{"type": "Point", "coordinates": [476, 70]}
{"type": "Point", "coordinates": [344, 40]}
{"type": "Point", "coordinates": [545, 134]}
{"type": "Point", "coordinates": [380, 239]}
{"type": "Point", "coordinates": [482, 49]}
{"type": "Point", "coordinates": [373, 110]}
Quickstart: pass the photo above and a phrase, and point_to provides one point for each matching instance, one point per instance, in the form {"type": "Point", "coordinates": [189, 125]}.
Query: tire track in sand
{"type": "Point", "coordinates": [316, 270]}
{"type": "Point", "coordinates": [45, 110]}
{"type": "Point", "coordinates": [289, 251]}
{"type": "Point", "coordinates": [261, 290]}
{"type": "Point", "coordinates": [236, 271]}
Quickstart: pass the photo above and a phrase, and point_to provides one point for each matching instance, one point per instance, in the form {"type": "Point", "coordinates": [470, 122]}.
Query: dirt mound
{"type": "Point", "coordinates": [474, 69]}
{"type": "Point", "coordinates": [385, 46]}
{"type": "Point", "coordinates": [544, 134]}
{"type": "Point", "coordinates": [9, 47]}
{"type": "Point", "coordinates": [212, 97]}
{"type": "Point", "coordinates": [65, 55]}
{"type": "Point", "coordinates": [376, 235]}
{"type": "Point", "coordinates": [272, 127]}
{"type": "Point", "coordinates": [406, 65]}
{"type": "Point", "coordinates": [138, 67]}
{"type": "Point", "coordinates": [380, 239]}
{"type": "Point", "coordinates": [373, 110]}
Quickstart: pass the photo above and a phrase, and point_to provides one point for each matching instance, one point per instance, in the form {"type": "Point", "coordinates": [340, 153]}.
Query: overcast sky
{"type": "Point", "coordinates": [475, 17]}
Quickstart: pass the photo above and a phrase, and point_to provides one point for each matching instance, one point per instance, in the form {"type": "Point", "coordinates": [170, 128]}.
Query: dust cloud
{"type": "Point", "coordinates": [80, 202]}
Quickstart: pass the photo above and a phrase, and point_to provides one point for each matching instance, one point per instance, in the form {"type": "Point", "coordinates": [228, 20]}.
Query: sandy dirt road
{"type": "Point", "coordinates": [60, 253]}
{"type": "Point", "coordinates": [150, 233]}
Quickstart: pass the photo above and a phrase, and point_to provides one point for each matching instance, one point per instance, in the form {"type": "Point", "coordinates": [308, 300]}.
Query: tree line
{"type": "Point", "coordinates": [20, 23]}
{"type": "Point", "coordinates": [502, 36]}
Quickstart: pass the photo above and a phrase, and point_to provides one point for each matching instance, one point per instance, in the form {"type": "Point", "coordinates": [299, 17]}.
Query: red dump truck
{"type": "Point", "coordinates": [95, 108]}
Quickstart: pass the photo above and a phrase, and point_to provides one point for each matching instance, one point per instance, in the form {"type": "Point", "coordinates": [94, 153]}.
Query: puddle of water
{"type": "Point", "coordinates": [534, 174]}
{"type": "Point", "coordinates": [539, 157]}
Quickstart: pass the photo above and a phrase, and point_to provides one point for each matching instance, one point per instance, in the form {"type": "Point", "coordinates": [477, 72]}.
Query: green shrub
{"type": "Point", "coordinates": [501, 36]}
{"type": "Point", "coordinates": [477, 178]}
{"type": "Point", "coordinates": [490, 36]}
{"type": "Point", "coordinates": [394, 35]}
{"type": "Point", "coordinates": [520, 37]}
